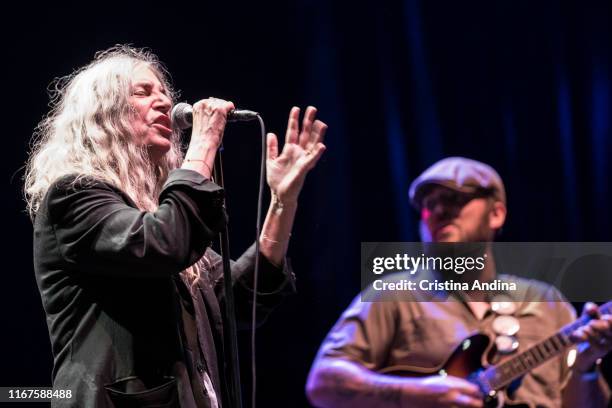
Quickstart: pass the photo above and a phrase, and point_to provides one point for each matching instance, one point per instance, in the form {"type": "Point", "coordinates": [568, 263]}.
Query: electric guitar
{"type": "Point", "coordinates": [469, 361]}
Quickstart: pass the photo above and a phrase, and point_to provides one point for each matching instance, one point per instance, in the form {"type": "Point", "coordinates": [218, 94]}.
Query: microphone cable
{"type": "Point", "coordinates": [262, 181]}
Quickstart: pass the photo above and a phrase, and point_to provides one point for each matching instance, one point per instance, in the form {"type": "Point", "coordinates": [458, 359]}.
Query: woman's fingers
{"type": "Point", "coordinates": [210, 106]}
{"type": "Point", "coordinates": [209, 119]}
{"type": "Point", "coordinates": [306, 135]}
{"type": "Point", "coordinates": [318, 129]}
{"type": "Point", "coordinates": [272, 144]}
{"type": "Point", "coordinates": [309, 139]}
{"type": "Point", "coordinates": [293, 128]}
{"type": "Point", "coordinates": [313, 155]}
{"type": "Point", "coordinates": [312, 131]}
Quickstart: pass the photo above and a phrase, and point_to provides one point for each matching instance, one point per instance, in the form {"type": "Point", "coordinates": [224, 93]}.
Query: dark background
{"type": "Point", "coordinates": [522, 85]}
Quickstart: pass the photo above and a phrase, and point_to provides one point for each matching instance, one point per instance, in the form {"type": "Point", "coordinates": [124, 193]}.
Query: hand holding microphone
{"type": "Point", "coordinates": [208, 118]}
{"type": "Point", "coordinates": [182, 115]}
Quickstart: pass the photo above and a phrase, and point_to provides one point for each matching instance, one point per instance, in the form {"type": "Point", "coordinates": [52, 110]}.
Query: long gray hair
{"type": "Point", "coordinates": [87, 132]}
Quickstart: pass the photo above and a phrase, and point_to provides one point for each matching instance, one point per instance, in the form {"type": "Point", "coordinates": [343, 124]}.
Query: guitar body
{"type": "Point", "coordinates": [466, 361]}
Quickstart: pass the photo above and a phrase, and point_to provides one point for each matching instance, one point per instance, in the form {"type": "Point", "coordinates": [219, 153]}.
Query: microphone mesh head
{"type": "Point", "coordinates": [181, 115]}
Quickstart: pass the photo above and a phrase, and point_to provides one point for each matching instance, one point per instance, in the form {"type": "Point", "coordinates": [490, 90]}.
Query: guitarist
{"type": "Point", "coordinates": [460, 200]}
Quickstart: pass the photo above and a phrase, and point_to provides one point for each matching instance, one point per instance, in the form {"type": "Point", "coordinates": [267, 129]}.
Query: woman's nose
{"type": "Point", "coordinates": [163, 103]}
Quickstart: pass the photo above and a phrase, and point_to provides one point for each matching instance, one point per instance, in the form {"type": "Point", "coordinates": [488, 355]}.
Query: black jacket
{"type": "Point", "coordinates": [125, 328]}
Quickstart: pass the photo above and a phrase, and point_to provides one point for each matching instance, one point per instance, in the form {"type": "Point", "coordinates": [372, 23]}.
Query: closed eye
{"type": "Point", "coordinates": [142, 89]}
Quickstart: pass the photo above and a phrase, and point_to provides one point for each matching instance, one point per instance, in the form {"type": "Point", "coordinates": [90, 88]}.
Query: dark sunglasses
{"type": "Point", "coordinates": [449, 198]}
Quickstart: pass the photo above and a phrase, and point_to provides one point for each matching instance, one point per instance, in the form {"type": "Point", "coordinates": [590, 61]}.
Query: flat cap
{"type": "Point", "coordinates": [461, 174]}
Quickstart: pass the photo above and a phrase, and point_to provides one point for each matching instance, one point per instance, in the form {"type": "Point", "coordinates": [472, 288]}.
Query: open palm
{"type": "Point", "coordinates": [302, 150]}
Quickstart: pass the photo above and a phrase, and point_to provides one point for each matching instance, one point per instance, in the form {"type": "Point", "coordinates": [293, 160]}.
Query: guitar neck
{"type": "Point", "coordinates": [503, 374]}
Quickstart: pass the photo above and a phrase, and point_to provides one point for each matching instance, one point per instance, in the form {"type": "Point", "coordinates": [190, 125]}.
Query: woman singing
{"type": "Point", "coordinates": [123, 223]}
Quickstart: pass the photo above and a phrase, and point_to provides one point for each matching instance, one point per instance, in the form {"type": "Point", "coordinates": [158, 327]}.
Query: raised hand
{"type": "Point", "coordinates": [302, 150]}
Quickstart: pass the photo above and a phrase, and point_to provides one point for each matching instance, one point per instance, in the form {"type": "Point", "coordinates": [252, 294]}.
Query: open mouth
{"type": "Point", "coordinates": [163, 124]}
{"type": "Point", "coordinates": [163, 131]}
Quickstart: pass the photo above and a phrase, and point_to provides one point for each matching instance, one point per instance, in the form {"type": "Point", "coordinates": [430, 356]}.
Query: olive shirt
{"type": "Point", "coordinates": [126, 328]}
{"type": "Point", "coordinates": [385, 333]}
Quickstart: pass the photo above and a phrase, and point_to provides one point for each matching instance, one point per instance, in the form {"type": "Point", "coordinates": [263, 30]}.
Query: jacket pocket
{"type": "Point", "coordinates": [131, 392]}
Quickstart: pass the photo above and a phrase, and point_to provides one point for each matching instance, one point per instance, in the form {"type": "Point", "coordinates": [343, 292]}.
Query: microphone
{"type": "Point", "coordinates": [182, 115]}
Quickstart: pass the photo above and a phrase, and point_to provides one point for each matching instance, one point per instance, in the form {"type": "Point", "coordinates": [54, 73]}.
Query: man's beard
{"type": "Point", "coordinates": [482, 233]}
{"type": "Point", "coordinates": [472, 244]}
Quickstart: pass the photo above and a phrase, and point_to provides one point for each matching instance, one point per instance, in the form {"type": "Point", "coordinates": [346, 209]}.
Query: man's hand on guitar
{"type": "Point", "coordinates": [598, 332]}
{"type": "Point", "coordinates": [448, 391]}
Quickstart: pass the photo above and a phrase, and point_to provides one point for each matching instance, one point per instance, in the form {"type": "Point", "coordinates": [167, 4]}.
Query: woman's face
{"type": "Point", "coordinates": [151, 121]}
